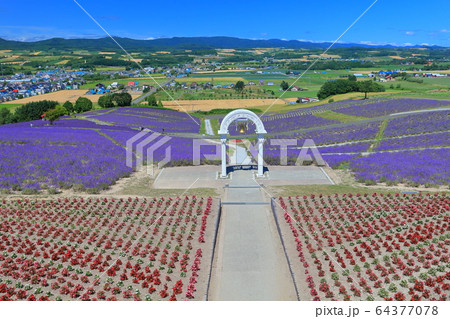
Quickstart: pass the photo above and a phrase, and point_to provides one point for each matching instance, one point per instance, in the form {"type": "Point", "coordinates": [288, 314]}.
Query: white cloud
{"type": "Point", "coordinates": [410, 33]}
{"type": "Point", "coordinates": [445, 31]}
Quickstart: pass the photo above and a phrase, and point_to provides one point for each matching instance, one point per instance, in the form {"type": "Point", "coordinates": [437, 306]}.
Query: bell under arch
{"type": "Point", "coordinates": [224, 133]}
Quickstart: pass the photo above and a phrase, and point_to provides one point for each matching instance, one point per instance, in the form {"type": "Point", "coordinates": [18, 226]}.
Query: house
{"type": "Point", "coordinates": [251, 83]}
{"type": "Point", "coordinates": [261, 82]}
{"type": "Point", "coordinates": [269, 83]}
{"type": "Point", "coordinates": [303, 100]}
{"type": "Point", "coordinates": [306, 100]}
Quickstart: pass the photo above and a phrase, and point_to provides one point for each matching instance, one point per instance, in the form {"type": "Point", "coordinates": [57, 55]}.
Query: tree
{"type": "Point", "coordinates": [122, 99]}
{"type": "Point", "coordinates": [33, 111]}
{"type": "Point", "coordinates": [239, 86]}
{"type": "Point", "coordinates": [5, 116]}
{"type": "Point", "coordinates": [284, 85]}
{"type": "Point", "coordinates": [82, 104]}
{"type": "Point", "coordinates": [337, 87]}
{"type": "Point", "coordinates": [69, 107]}
{"type": "Point", "coordinates": [151, 99]}
{"type": "Point", "coordinates": [54, 114]}
{"type": "Point", "coordinates": [352, 77]}
{"type": "Point", "coordinates": [106, 101]}
{"type": "Point", "coordinates": [369, 86]}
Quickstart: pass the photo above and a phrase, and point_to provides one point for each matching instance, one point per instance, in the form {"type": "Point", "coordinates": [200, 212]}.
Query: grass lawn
{"type": "Point", "coordinates": [215, 125]}
{"type": "Point", "coordinates": [11, 107]}
{"type": "Point", "coordinates": [331, 115]}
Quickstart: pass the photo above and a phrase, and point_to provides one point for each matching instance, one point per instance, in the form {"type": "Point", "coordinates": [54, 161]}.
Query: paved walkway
{"type": "Point", "coordinates": [250, 263]}
{"type": "Point", "coordinates": [208, 127]}
{"type": "Point", "coordinates": [239, 156]}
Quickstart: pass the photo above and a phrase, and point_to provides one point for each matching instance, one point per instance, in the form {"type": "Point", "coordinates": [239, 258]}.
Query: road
{"type": "Point", "coordinates": [142, 97]}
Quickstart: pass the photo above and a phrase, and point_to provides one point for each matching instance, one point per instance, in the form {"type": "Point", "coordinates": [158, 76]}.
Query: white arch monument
{"type": "Point", "coordinates": [223, 132]}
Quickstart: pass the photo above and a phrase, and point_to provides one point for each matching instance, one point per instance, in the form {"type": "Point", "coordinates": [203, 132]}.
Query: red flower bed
{"type": "Point", "coordinates": [103, 249]}
{"type": "Point", "coordinates": [383, 247]}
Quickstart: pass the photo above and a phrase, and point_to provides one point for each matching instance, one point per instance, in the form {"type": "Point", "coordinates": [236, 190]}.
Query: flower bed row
{"type": "Point", "coordinates": [105, 249]}
{"type": "Point", "coordinates": [366, 247]}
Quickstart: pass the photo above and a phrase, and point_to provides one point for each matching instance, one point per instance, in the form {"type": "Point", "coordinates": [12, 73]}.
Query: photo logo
{"type": "Point", "coordinates": [143, 146]}
{"type": "Point", "coordinates": [245, 151]}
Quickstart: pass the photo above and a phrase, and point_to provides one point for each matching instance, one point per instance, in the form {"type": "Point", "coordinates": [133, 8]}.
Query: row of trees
{"type": "Point", "coordinates": [345, 86]}
{"type": "Point", "coordinates": [34, 110]}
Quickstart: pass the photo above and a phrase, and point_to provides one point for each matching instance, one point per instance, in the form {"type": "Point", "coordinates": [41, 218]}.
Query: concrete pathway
{"type": "Point", "coordinates": [250, 263]}
{"type": "Point", "coordinates": [208, 127]}
{"type": "Point", "coordinates": [240, 155]}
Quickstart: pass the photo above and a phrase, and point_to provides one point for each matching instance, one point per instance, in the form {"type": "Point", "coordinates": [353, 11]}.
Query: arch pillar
{"type": "Point", "coordinates": [260, 155]}
{"type": "Point", "coordinates": [223, 140]}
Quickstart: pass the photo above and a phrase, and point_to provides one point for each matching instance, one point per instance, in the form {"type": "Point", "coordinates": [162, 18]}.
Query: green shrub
{"type": "Point", "coordinates": [391, 183]}
{"type": "Point", "coordinates": [78, 187]}
{"type": "Point", "coordinates": [369, 182]}
{"type": "Point", "coordinates": [30, 191]}
{"type": "Point", "coordinates": [383, 293]}
{"type": "Point", "coordinates": [53, 191]}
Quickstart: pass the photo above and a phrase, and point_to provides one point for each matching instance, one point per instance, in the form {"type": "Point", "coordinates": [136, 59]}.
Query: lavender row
{"type": "Point", "coordinates": [62, 159]}
{"type": "Point", "coordinates": [381, 108]}
{"type": "Point", "coordinates": [66, 122]}
{"type": "Point", "coordinates": [355, 132]}
{"type": "Point", "coordinates": [416, 141]}
{"type": "Point", "coordinates": [155, 120]}
{"type": "Point", "coordinates": [418, 123]}
{"type": "Point", "coordinates": [422, 167]}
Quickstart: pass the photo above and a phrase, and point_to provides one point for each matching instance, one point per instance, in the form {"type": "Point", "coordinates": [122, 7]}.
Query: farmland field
{"type": "Point", "coordinates": [59, 96]}
{"type": "Point", "coordinates": [207, 105]}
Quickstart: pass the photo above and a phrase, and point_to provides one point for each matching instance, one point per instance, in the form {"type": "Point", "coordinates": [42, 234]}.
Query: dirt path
{"type": "Point", "coordinates": [250, 263]}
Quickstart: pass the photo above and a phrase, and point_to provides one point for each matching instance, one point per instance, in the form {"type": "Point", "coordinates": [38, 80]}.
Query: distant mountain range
{"type": "Point", "coordinates": [177, 42]}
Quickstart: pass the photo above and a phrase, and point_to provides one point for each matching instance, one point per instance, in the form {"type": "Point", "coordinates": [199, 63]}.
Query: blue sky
{"type": "Point", "coordinates": [397, 22]}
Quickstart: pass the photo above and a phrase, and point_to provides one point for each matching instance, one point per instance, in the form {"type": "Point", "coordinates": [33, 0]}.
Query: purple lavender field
{"type": "Point", "coordinates": [153, 119]}
{"type": "Point", "coordinates": [36, 158]}
{"type": "Point", "coordinates": [286, 122]}
{"type": "Point", "coordinates": [89, 152]}
{"type": "Point", "coordinates": [416, 141]}
{"type": "Point", "coordinates": [350, 132]}
{"type": "Point", "coordinates": [421, 167]}
{"type": "Point", "coordinates": [418, 123]}
{"type": "Point", "coordinates": [386, 107]}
